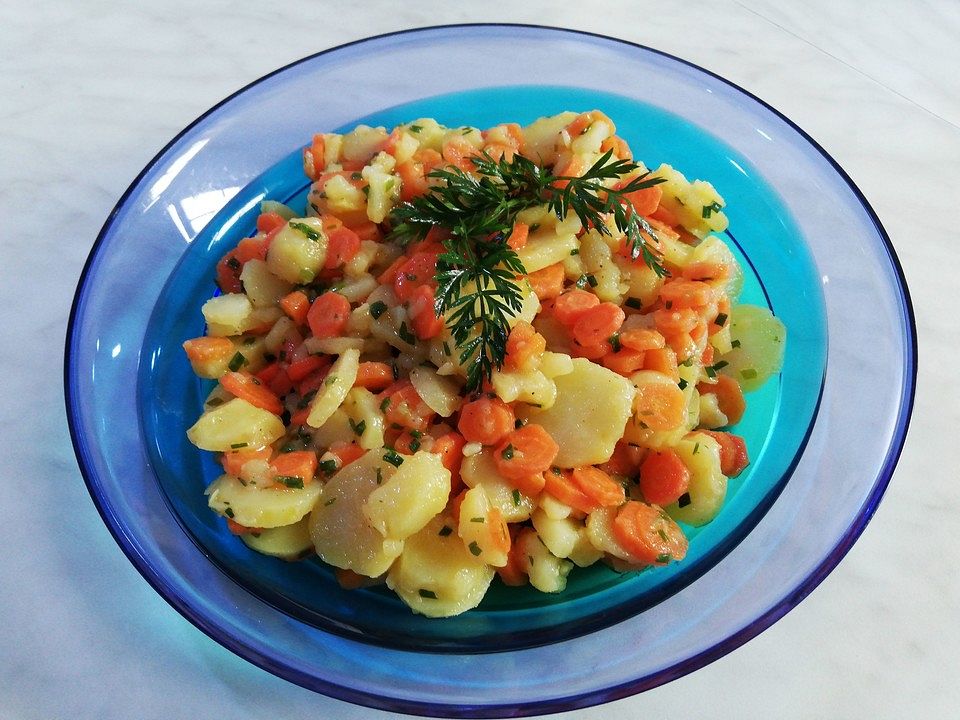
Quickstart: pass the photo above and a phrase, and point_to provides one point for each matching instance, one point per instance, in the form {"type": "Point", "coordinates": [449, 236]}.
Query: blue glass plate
{"type": "Point", "coordinates": [200, 195]}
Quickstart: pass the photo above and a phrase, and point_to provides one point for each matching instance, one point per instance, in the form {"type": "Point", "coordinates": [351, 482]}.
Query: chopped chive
{"type": "Point", "coordinates": [393, 457]}
{"type": "Point", "coordinates": [237, 362]}
{"type": "Point", "coordinates": [708, 210]}
{"type": "Point", "coordinates": [682, 384]}
{"type": "Point", "coordinates": [634, 303]}
{"type": "Point", "coordinates": [415, 128]}
{"type": "Point", "coordinates": [683, 500]}
{"type": "Point", "coordinates": [291, 481]}
{"type": "Point", "coordinates": [331, 380]}
{"type": "Point", "coordinates": [385, 404]}
{"type": "Point", "coordinates": [328, 467]}
{"type": "Point", "coordinates": [614, 341]}
{"type": "Point", "coordinates": [477, 519]}
{"type": "Point", "coordinates": [734, 343]}
{"type": "Point", "coordinates": [581, 282]}
{"type": "Point", "coordinates": [711, 373]}
{"type": "Point", "coordinates": [748, 373]}
{"type": "Point", "coordinates": [507, 453]}
{"type": "Point", "coordinates": [516, 497]}
{"type": "Point", "coordinates": [330, 502]}
{"type": "Point", "coordinates": [696, 448]}
{"type": "Point", "coordinates": [414, 445]}
{"type": "Point", "coordinates": [474, 548]}
{"type": "Point", "coordinates": [305, 400]}
{"type": "Point", "coordinates": [357, 427]}
{"type": "Point", "coordinates": [575, 251]}
{"type": "Point", "coordinates": [592, 280]}
{"type": "Point", "coordinates": [720, 365]}
{"type": "Point", "coordinates": [428, 594]}
{"type": "Point", "coordinates": [378, 309]}
{"type": "Point", "coordinates": [404, 332]}
{"type": "Point", "coordinates": [664, 557]}
{"type": "Point", "coordinates": [229, 513]}
{"type": "Point", "coordinates": [237, 446]}
{"type": "Point", "coordinates": [662, 534]}
{"type": "Point", "coordinates": [306, 230]}
{"type": "Point", "coordinates": [721, 319]}
{"type": "Point", "coordinates": [356, 176]}
{"type": "Point", "coordinates": [445, 530]}
{"type": "Point", "coordinates": [379, 476]}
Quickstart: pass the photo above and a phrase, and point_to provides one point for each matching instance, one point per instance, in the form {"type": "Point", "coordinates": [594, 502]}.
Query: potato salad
{"type": "Point", "coordinates": [479, 356]}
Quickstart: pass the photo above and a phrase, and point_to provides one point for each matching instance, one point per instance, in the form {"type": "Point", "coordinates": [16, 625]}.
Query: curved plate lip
{"type": "Point", "coordinates": [719, 649]}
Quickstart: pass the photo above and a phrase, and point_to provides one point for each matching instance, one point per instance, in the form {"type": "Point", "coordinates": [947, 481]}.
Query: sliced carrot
{"type": "Point", "coordinates": [486, 420]}
{"type": "Point", "coordinates": [406, 409]}
{"type": "Point", "coordinates": [559, 484]}
{"type": "Point", "coordinates": [299, 417]}
{"type": "Point", "coordinates": [626, 460]}
{"type": "Point", "coordinates": [423, 317]}
{"type": "Point", "coordinates": [231, 264]}
{"type": "Point", "coordinates": [662, 360]}
{"type": "Point", "coordinates": [313, 157]}
{"type": "Point", "coordinates": [518, 236]}
{"type": "Point", "coordinates": [674, 321]}
{"type": "Point", "coordinates": [296, 305]}
{"type": "Point", "coordinates": [621, 149]}
{"type": "Point", "coordinates": [599, 487]}
{"type": "Point", "coordinates": [706, 271]}
{"type": "Point", "coordinates": [590, 352]}
{"type": "Point", "coordinates": [342, 245]}
{"type": "Point", "coordinates": [413, 182]}
{"type": "Point", "coordinates": [407, 443]}
{"type": "Point", "coordinates": [530, 485]}
{"type": "Point", "coordinates": [733, 452]}
{"type": "Point", "coordinates": [328, 315]}
{"type": "Point", "coordinates": [299, 369]}
{"type": "Point", "coordinates": [237, 529]}
{"type": "Point", "coordinates": [314, 381]}
{"type": "Point", "coordinates": [275, 378]}
{"type": "Point", "coordinates": [645, 201]}
{"type": "Point", "coordinates": [512, 573]}
{"type": "Point", "coordinates": [683, 345]}
{"type": "Point", "coordinates": [205, 350]}
{"type": "Point", "coordinates": [498, 532]}
{"type": "Point", "coordinates": [706, 357]}
{"type": "Point", "coordinates": [346, 453]}
{"type": "Point", "coordinates": [368, 231]}
{"type": "Point", "coordinates": [247, 387]}
{"type": "Point", "coordinates": [234, 460]}
{"type": "Point", "coordinates": [388, 276]}
{"type": "Point", "coordinates": [374, 376]}
{"type": "Point", "coordinates": [547, 282]}
{"type": "Point", "coordinates": [525, 347]}
{"type": "Point", "coordinates": [678, 294]}
{"type": "Point", "coordinates": [648, 534]}
{"type": "Point", "coordinates": [454, 505]}
{"type": "Point", "coordinates": [571, 306]}
{"type": "Point", "coordinates": [267, 222]}
{"type": "Point", "coordinates": [419, 269]}
{"type": "Point", "coordinates": [300, 464]}
{"type": "Point", "coordinates": [624, 361]}
{"type": "Point", "coordinates": [663, 477]}
{"type": "Point", "coordinates": [524, 452]}
{"type": "Point", "coordinates": [598, 323]}
{"type": "Point", "coordinates": [665, 216]}
{"type": "Point", "coordinates": [458, 152]}
{"type": "Point", "coordinates": [450, 449]}
{"type": "Point", "coordinates": [642, 339]}
{"type": "Point", "coordinates": [660, 403]}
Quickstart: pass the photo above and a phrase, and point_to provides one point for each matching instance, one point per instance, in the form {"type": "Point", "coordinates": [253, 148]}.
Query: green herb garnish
{"type": "Point", "coordinates": [393, 457]}
{"type": "Point", "coordinates": [291, 481]}
{"type": "Point", "coordinates": [357, 427]}
{"type": "Point", "coordinates": [237, 362]}
{"type": "Point", "coordinates": [307, 231]}
{"type": "Point", "coordinates": [428, 594]}
{"type": "Point", "coordinates": [378, 309]}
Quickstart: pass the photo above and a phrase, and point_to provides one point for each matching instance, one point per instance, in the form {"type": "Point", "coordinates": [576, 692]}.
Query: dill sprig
{"type": "Point", "coordinates": [476, 274]}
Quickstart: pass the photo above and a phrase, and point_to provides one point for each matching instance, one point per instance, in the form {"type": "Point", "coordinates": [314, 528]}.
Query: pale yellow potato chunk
{"type": "Point", "coordinates": [482, 528]}
{"type": "Point", "coordinates": [341, 532]}
{"type": "Point", "coordinates": [410, 497]}
{"type": "Point", "coordinates": [264, 507]}
{"type": "Point", "coordinates": [546, 571]}
{"type": "Point", "coordinates": [436, 575]}
{"type": "Point", "coordinates": [539, 252]}
{"type": "Point", "coordinates": [298, 250]}
{"type": "Point", "coordinates": [262, 287]}
{"type": "Point", "coordinates": [335, 387]}
{"type": "Point", "coordinates": [235, 423]}
{"type": "Point", "coordinates": [480, 471]}
{"type": "Point", "coordinates": [362, 407]}
{"type": "Point", "coordinates": [441, 394]}
{"type": "Point", "coordinates": [588, 417]}
{"type": "Point", "coordinates": [228, 314]}
{"type": "Point", "coordinates": [287, 542]}
{"type": "Point", "coordinates": [708, 486]}
{"type": "Point", "coordinates": [762, 340]}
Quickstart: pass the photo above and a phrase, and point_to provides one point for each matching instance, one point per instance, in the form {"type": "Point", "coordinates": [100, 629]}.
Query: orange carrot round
{"type": "Point", "coordinates": [559, 484]}
{"type": "Point", "coordinates": [598, 323]}
{"type": "Point", "coordinates": [571, 306]}
{"type": "Point", "coordinates": [296, 305]}
{"type": "Point", "coordinates": [648, 534]}
{"type": "Point", "coordinates": [247, 387]}
{"type": "Point", "coordinates": [486, 420]}
{"type": "Point", "coordinates": [328, 315]}
{"type": "Point", "coordinates": [342, 245]}
{"type": "Point", "coordinates": [663, 477]}
{"type": "Point", "coordinates": [298, 464]}
{"type": "Point", "coordinates": [599, 487]}
{"type": "Point", "coordinates": [374, 376]}
{"type": "Point", "coordinates": [525, 347]}
{"type": "Point", "coordinates": [524, 452]}
{"type": "Point", "coordinates": [547, 282]}
{"type": "Point", "coordinates": [234, 460]}
{"type": "Point", "coordinates": [729, 397]}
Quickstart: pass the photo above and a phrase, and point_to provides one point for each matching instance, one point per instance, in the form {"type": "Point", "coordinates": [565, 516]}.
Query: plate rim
{"type": "Point", "coordinates": [720, 648]}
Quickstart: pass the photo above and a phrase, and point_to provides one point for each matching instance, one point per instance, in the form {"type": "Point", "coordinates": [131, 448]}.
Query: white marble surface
{"type": "Point", "coordinates": [91, 90]}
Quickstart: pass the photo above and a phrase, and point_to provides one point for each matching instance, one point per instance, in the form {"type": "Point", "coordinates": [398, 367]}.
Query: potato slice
{"type": "Point", "coordinates": [341, 533]}
{"type": "Point", "coordinates": [708, 486]}
{"type": "Point", "coordinates": [762, 339]}
{"type": "Point", "coordinates": [287, 542]}
{"type": "Point", "coordinates": [436, 575]}
{"type": "Point", "coordinates": [253, 506]}
{"type": "Point", "coordinates": [483, 529]}
{"type": "Point", "coordinates": [588, 417]}
{"type": "Point", "coordinates": [441, 394]}
{"type": "Point", "coordinates": [236, 423]}
{"type": "Point", "coordinates": [334, 391]}
{"type": "Point", "coordinates": [298, 250]}
{"type": "Point", "coordinates": [416, 491]}
{"type": "Point", "coordinates": [262, 287]}
{"type": "Point", "coordinates": [546, 571]}
{"type": "Point", "coordinates": [480, 471]}
{"type": "Point", "coordinates": [228, 314]}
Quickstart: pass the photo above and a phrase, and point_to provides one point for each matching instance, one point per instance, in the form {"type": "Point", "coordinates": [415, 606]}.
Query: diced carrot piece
{"type": "Point", "coordinates": [374, 376]}
{"type": "Point", "coordinates": [512, 573]}
{"type": "Point", "coordinates": [328, 315]}
{"type": "Point", "coordinates": [642, 339]}
{"type": "Point", "coordinates": [299, 369]}
{"type": "Point", "coordinates": [342, 245]}
{"type": "Point", "coordinates": [346, 453]}
{"type": "Point", "coordinates": [458, 152]}
{"type": "Point", "coordinates": [624, 361]}
{"type": "Point", "coordinates": [247, 387]}
{"type": "Point", "coordinates": [300, 463]}
{"type": "Point", "coordinates": [547, 282]}
{"type": "Point", "coordinates": [486, 420]}
{"type": "Point", "coordinates": [234, 460]}
{"type": "Point", "coordinates": [270, 221]}
{"type": "Point", "coordinates": [599, 487]}
{"type": "Point", "coordinates": [621, 149]}
{"type": "Point", "coordinates": [525, 451]}
{"type": "Point", "coordinates": [454, 505]}
{"type": "Point", "coordinates": [313, 157]}
{"type": "Point", "coordinates": [706, 357]}
{"type": "Point", "coordinates": [706, 271]}
{"type": "Point", "coordinates": [388, 276]}
{"type": "Point", "coordinates": [418, 270]}
{"type": "Point", "coordinates": [300, 417]}
{"type": "Point", "coordinates": [518, 236]}
{"type": "Point", "coordinates": [659, 405]}
{"type": "Point", "coordinates": [665, 216]}
{"type": "Point", "coordinates": [368, 231]}
{"type": "Point", "coordinates": [590, 352]}
{"type": "Point", "coordinates": [648, 534]}
{"type": "Point", "coordinates": [412, 180]}
{"type": "Point", "coordinates": [663, 477]}
{"type": "Point", "coordinates": [423, 318]}
{"type": "Point", "coordinates": [645, 201]}
{"type": "Point", "coordinates": [733, 452]}
{"type": "Point", "coordinates": [314, 381]}
{"type": "Point", "coordinates": [570, 306]}
{"type": "Point", "coordinates": [296, 305]}
{"type": "Point", "coordinates": [598, 323]}
{"type": "Point", "coordinates": [530, 485]}
{"type": "Point", "coordinates": [450, 449]}
{"type": "Point", "coordinates": [662, 360]}
{"type": "Point", "coordinates": [525, 347]}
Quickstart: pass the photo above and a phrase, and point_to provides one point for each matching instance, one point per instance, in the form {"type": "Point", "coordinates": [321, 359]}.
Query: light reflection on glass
{"type": "Point", "coordinates": [163, 182]}
{"type": "Point", "coordinates": [116, 350]}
